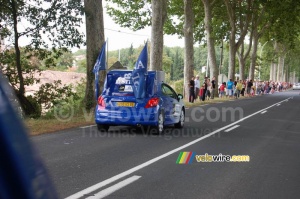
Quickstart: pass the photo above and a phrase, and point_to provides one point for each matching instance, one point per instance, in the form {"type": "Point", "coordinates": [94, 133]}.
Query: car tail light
{"type": "Point", "coordinates": [101, 102]}
{"type": "Point", "coordinates": [153, 102]}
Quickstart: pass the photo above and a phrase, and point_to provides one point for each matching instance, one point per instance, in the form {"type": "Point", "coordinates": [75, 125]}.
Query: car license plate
{"type": "Point", "coordinates": [126, 104]}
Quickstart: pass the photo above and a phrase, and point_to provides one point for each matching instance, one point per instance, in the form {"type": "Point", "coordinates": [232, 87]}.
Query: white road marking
{"type": "Point", "coordinates": [263, 112]}
{"type": "Point", "coordinates": [114, 188]}
{"type": "Point", "coordinates": [149, 162]}
{"type": "Point", "coordinates": [83, 127]}
{"type": "Point", "coordinates": [278, 104]}
{"type": "Point", "coordinates": [230, 129]}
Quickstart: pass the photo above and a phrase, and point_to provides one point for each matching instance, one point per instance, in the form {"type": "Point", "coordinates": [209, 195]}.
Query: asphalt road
{"type": "Point", "coordinates": [131, 163]}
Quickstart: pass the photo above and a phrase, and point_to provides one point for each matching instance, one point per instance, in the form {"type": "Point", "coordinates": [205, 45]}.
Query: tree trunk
{"type": "Point", "coordinates": [157, 37]}
{"type": "Point", "coordinates": [210, 42]}
{"type": "Point", "coordinates": [232, 53]}
{"type": "Point", "coordinates": [280, 68]}
{"type": "Point", "coordinates": [275, 71]}
{"type": "Point", "coordinates": [253, 56]}
{"type": "Point", "coordinates": [189, 44]}
{"type": "Point", "coordinates": [94, 41]}
{"type": "Point", "coordinates": [271, 71]}
{"type": "Point", "coordinates": [242, 64]}
{"type": "Point", "coordinates": [21, 91]}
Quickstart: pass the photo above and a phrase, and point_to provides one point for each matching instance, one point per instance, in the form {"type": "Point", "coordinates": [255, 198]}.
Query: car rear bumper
{"type": "Point", "coordinates": [127, 116]}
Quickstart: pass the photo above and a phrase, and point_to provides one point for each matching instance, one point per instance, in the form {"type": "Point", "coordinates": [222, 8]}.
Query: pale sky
{"type": "Point", "coordinates": [118, 37]}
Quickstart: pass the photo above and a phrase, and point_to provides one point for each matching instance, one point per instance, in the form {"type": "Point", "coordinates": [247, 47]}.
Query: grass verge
{"type": "Point", "coordinates": [41, 126]}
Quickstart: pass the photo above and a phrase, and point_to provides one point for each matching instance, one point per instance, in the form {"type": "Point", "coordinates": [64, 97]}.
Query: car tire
{"type": "Point", "coordinates": [159, 128]}
{"type": "Point", "coordinates": [102, 127]}
{"type": "Point", "coordinates": [180, 124]}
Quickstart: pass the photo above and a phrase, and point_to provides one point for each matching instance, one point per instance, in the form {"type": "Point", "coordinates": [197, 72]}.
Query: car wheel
{"type": "Point", "coordinates": [159, 129]}
{"type": "Point", "coordinates": [102, 127]}
{"type": "Point", "coordinates": [181, 120]}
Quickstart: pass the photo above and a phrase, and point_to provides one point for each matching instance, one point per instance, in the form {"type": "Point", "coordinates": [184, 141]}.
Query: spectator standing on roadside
{"type": "Point", "coordinates": [263, 88]}
{"type": "Point", "coordinates": [266, 88]}
{"type": "Point", "coordinates": [222, 90]}
{"type": "Point", "coordinates": [229, 88]}
{"type": "Point", "coordinates": [201, 92]}
{"type": "Point", "coordinates": [243, 88]}
{"type": "Point", "coordinates": [197, 86]}
{"type": "Point", "coordinates": [239, 87]}
{"type": "Point", "coordinates": [213, 87]}
{"type": "Point", "coordinates": [207, 94]}
{"type": "Point", "coordinates": [192, 90]}
{"type": "Point", "coordinates": [249, 87]}
{"type": "Point", "coordinates": [234, 89]}
{"type": "Point", "coordinates": [205, 88]}
{"type": "Point", "coordinates": [258, 91]}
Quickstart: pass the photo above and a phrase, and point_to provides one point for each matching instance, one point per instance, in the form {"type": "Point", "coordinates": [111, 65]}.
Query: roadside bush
{"type": "Point", "coordinates": [36, 111]}
{"type": "Point", "coordinates": [50, 94]}
{"type": "Point", "coordinates": [178, 86]}
{"type": "Point", "coordinates": [68, 104]}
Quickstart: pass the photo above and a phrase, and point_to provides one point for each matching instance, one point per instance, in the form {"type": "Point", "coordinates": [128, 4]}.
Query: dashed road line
{"type": "Point", "coordinates": [84, 127]}
{"type": "Point", "coordinates": [230, 129]}
{"type": "Point", "coordinates": [114, 188]}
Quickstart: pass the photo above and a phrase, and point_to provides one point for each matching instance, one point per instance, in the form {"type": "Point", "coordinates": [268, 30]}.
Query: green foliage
{"type": "Point", "coordinates": [65, 61]}
{"type": "Point", "coordinates": [178, 86]}
{"type": "Point", "coordinates": [71, 103]}
{"type": "Point", "coordinates": [36, 109]}
{"type": "Point", "coordinates": [167, 78]}
{"type": "Point", "coordinates": [80, 52]}
{"type": "Point", "coordinates": [81, 64]}
{"type": "Point", "coordinates": [51, 94]}
{"type": "Point", "coordinates": [177, 57]}
{"type": "Point", "coordinates": [42, 18]}
{"type": "Point", "coordinates": [45, 24]}
{"type": "Point", "coordinates": [8, 65]}
{"type": "Point", "coordinates": [135, 15]}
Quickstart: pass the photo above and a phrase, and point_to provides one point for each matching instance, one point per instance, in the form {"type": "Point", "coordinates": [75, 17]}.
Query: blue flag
{"type": "Point", "coordinates": [139, 73]}
{"type": "Point", "coordinates": [99, 65]}
{"type": "Point", "coordinates": [101, 60]}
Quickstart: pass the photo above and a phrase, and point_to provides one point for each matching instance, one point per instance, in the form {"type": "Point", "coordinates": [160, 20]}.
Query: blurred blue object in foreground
{"type": "Point", "coordinates": [22, 174]}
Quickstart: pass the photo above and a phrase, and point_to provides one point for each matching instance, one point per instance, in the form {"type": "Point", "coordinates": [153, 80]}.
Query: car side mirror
{"type": "Point", "coordinates": [180, 96]}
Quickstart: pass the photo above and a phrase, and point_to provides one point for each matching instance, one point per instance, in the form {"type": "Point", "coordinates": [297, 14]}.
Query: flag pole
{"type": "Point", "coordinates": [106, 53]}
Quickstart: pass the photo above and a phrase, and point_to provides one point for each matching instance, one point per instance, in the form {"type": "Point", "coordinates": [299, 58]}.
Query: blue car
{"type": "Point", "coordinates": [117, 104]}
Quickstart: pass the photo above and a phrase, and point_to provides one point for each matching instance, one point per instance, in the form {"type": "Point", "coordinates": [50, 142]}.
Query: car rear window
{"type": "Point", "coordinates": [123, 85]}
{"type": "Point", "coordinates": [120, 85]}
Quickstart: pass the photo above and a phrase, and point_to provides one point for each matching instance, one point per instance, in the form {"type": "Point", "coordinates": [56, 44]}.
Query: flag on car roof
{"type": "Point", "coordinates": [99, 65]}
{"type": "Point", "coordinates": [139, 73]}
{"type": "Point", "coordinates": [101, 60]}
